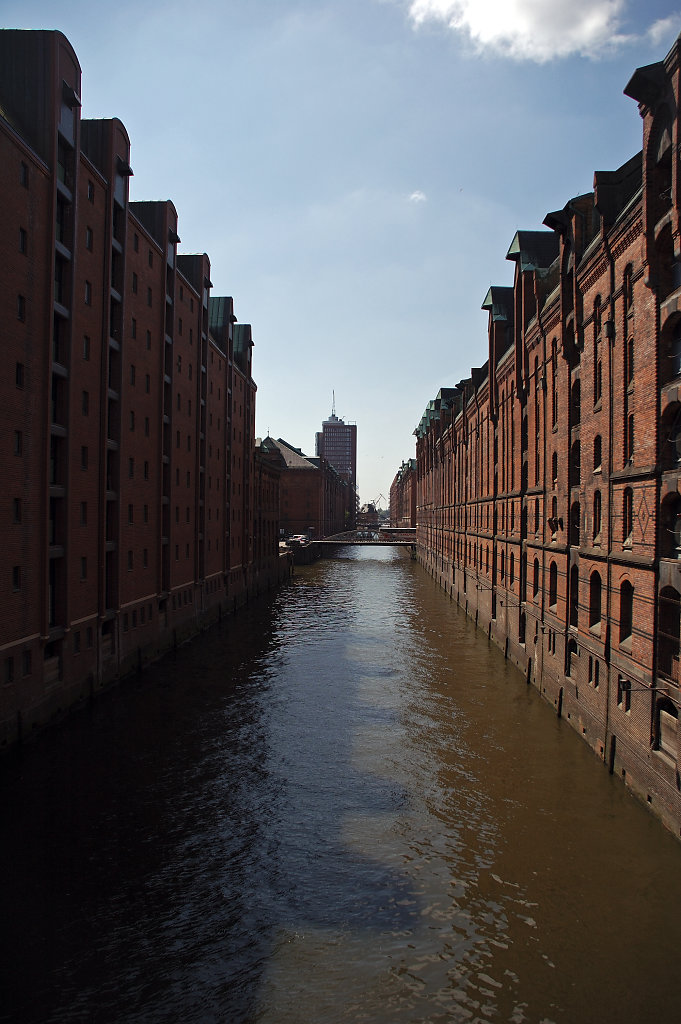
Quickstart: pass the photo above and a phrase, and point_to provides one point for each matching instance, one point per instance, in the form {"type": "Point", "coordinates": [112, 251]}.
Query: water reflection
{"type": "Point", "coordinates": [345, 806]}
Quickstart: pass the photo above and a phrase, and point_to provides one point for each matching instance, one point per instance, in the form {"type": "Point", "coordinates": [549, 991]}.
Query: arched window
{"type": "Point", "coordinates": [575, 402]}
{"type": "Point", "coordinates": [598, 365]}
{"type": "Point", "coordinates": [629, 439]}
{"type": "Point", "coordinates": [594, 601]}
{"type": "Point", "coordinates": [598, 455]}
{"type": "Point", "coordinates": [575, 521]}
{"type": "Point", "coordinates": [626, 611]}
{"type": "Point", "coordinates": [675, 352]}
{"type": "Point", "coordinates": [575, 464]}
{"type": "Point", "coordinates": [597, 517]}
{"type": "Point", "coordinates": [574, 596]}
{"type": "Point", "coordinates": [668, 630]}
{"type": "Point", "coordinates": [627, 516]}
{"type": "Point", "coordinates": [535, 579]}
{"type": "Point", "coordinates": [553, 586]}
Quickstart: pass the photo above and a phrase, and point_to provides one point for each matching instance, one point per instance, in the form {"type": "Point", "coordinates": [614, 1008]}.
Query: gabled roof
{"type": "Point", "coordinates": [533, 250]}
{"type": "Point", "coordinates": [499, 302]}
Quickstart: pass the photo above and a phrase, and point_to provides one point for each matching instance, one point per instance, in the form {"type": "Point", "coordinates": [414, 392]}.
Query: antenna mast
{"type": "Point", "coordinates": [333, 405]}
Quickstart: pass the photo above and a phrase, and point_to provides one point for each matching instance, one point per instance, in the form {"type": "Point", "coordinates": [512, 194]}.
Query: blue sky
{"type": "Point", "coordinates": [356, 170]}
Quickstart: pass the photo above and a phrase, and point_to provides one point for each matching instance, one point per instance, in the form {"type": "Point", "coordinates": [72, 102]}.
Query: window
{"type": "Point", "coordinates": [88, 293]}
{"type": "Point", "coordinates": [76, 642]}
{"type": "Point", "coordinates": [146, 514]}
{"type": "Point", "coordinates": [598, 444]}
{"type": "Point", "coordinates": [626, 612]}
{"type": "Point", "coordinates": [88, 239]}
{"type": "Point", "coordinates": [630, 438]}
{"type": "Point", "coordinates": [146, 470]}
{"type": "Point", "coordinates": [131, 468]}
{"type": "Point", "coordinates": [18, 442]}
{"type": "Point", "coordinates": [149, 297]}
{"type": "Point", "coordinates": [145, 558]}
{"type": "Point", "coordinates": [86, 348]}
{"type": "Point", "coordinates": [574, 596]}
{"type": "Point", "coordinates": [136, 242]}
{"type": "Point", "coordinates": [26, 663]}
{"type": "Point", "coordinates": [595, 602]}
{"type": "Point", "coordinates": [23, 241]}
{"type": "Point", "coordinates": [83, 568]}
{"type": "Point", "coordinates": [148, 341]}
{"type": "Point", "coordinates": [147, 383]}
{"type": "Point", "coordinates": [16, 577]}
{"type": "Point", "coordinates": [23, 174]}
{"type": "Point", "coordinates": [9, 670]}
{"type": "Point", "coordinates": [21, 307]}
{"type": "Point", "coordinates": [16, 510]}
{"type": "Point", "coordinates": [146, 426]}
{"type": "Point", "coordinates": [627, 515]}
{"type": "Point", "coordinates": [83, 513]}
{"type": "Point", "coordinates": [131, 514]}
{"type": "Point", "coordinates": [132, 419]}
{"type": "Point", "coordinates": [130, 561]}
{"type": "Point", "coordinates": [19, 375]}
{"type": "Point", "coordinates": [91, 192]}
{"type": "Point", "coordinates": [554, 468]}
{"type": "Point", "coordinates": [535, 579]}
{"type": "Point", "coordinates": [151, 258]}
{"type": "Point", "coordinates": [597, 517]}
{"type": "Point", "coordinates": [553, 586]}
{"type": "Point", "coordinates": [134, 328]}
{"type": "Point", "coordinates": [134, 282]}
{"type": "Point", "coordinates": [83, 457]}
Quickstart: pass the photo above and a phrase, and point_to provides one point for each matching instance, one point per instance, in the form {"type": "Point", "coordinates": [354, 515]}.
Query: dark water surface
{"type": "Point", "coordinates": [345, 806]}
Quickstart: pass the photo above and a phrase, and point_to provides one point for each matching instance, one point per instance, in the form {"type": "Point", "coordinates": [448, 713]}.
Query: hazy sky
{"type": "Point", "coordinates": [356, 170]}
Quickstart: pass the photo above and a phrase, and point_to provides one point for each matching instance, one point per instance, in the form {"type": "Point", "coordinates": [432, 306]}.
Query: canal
{"type": "Point", "coordinates": [341, 806]}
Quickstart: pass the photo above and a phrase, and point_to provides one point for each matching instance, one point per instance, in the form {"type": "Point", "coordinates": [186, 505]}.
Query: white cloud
{"type": "Point", "coordinates": [664, 30]}
{"type": "Point", "coordinates": [418, 197]}
{"type": "Point", "coordinates": [537, 30]}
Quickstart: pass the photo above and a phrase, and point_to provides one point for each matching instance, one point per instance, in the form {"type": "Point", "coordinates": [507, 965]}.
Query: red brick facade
{"type": "Point", "coordinates": [128, 408]}
{"type": "Point", "coordinates": [548, 482]}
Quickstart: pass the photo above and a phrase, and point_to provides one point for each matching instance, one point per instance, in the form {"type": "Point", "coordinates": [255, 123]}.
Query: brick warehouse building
{"type": "Point", "coordinates": [127, 408]}
{"type": "Point", "coordinates": [548, 482]}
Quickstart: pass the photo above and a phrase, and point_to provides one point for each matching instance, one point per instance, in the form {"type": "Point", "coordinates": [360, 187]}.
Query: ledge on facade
{"type": "Point", "coordinates": [632, 472]}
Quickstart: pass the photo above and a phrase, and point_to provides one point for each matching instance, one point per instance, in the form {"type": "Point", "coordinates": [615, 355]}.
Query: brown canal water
{"type": "Point", "coordinates": [343, 806]}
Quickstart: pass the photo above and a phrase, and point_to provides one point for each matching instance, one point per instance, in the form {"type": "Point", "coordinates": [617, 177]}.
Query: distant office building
{"type": "Point", "coordinates": [313, 496]}
{"type": "Point", "coordinates": [337, 443]}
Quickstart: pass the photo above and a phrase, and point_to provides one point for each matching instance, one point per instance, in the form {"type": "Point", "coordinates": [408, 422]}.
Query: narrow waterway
{"type": "Point", "coordinates": [343, 806]}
